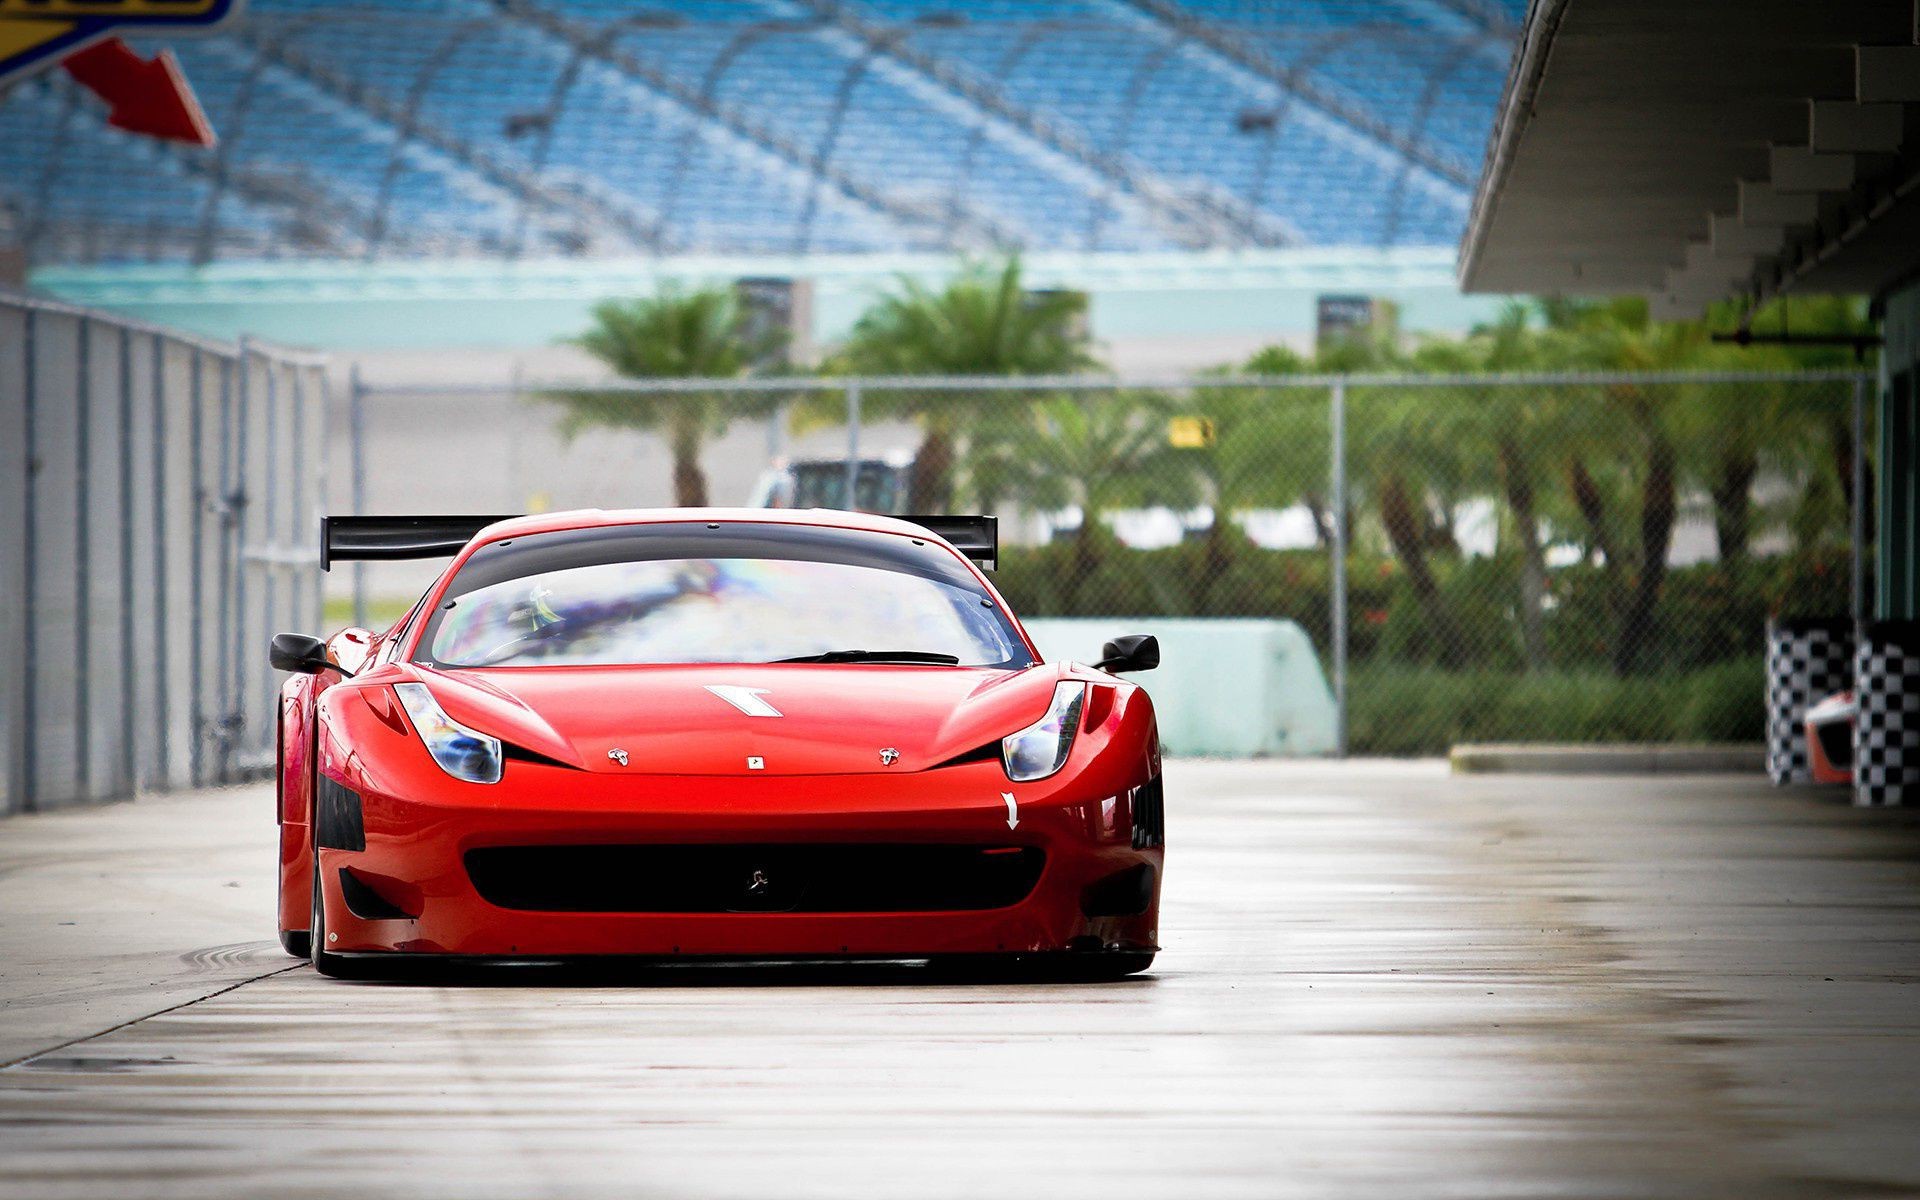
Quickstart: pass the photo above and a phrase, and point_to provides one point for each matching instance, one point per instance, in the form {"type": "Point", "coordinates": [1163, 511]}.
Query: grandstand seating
{"type": "Point", "coordinates": [396, 128]}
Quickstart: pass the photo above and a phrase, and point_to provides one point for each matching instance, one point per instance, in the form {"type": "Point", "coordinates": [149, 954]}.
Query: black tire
{"type": "Point", "coordinates": [294, 942]}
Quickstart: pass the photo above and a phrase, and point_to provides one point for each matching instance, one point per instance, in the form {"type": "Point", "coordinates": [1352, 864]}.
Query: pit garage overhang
{"type": "Point", "coordinates": [1695, 150]}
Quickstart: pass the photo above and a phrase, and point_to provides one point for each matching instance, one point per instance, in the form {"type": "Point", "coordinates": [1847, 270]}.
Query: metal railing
{"type": "Point", "coordinates": [162, 494]}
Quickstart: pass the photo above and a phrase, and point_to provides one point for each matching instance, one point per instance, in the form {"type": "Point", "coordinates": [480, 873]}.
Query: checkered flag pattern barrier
{"type": "Point", "coordinates": [1807, 661]}
{"type": "Point", "coordinates": [1886, 748]}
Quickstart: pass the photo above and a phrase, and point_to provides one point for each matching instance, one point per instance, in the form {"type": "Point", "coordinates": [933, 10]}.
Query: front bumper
{"type": "Point", "coordinates": [415, 863]}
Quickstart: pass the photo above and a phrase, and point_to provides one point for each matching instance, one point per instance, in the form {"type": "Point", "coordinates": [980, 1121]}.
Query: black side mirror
{"type": "Point", "coordinates": [300, 653]}
{"type": "Point", "coordinates": [1135, 652]}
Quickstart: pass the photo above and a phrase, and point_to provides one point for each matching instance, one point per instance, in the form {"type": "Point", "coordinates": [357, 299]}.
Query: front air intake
{"type": "Point", "coordinates": [776, 878]}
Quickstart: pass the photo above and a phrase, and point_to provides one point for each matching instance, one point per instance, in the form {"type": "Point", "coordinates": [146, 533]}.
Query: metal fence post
{"type": "Point", "coordinates": [30, 591]}
{"type": "Point", "coordinates": [129, 764]}
{"type": "Point", "coordinates": [223, 636]}
{"type": "Point", "coordinates": [777, 431]}
{"type": "Point", "coordinates": [1860, 548]}
{"type": "Point", "coordinates": [162, 754]}
{"type": "Point", "coordinates": [233, 713]}
{"type": "Point", "coordinates": [1338, 600]}
{"type": "Point", "coordinates": [270, 517]}
{"type": "Point", "coordinates": [357, 467]}
{"type": "Point", "coordinates": [82, 563]}
{"type": "Point", "coordinates": [296, 599]}
{"type": "Point", "coordinates": [196, 570]}
{"type": "Point", "coordinates": [853, 446]}
{"type": "Point", "coordinates": [516, 380]}
{"type": "Point", "coordinates": [316, 499]}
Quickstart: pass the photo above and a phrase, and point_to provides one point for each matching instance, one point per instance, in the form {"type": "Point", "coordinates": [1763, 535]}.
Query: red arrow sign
{"type": "Point", "coordinates": [143, 96]}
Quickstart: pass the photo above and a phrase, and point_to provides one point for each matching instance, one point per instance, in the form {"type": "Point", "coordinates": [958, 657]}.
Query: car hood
{"type": "Point", "coordinates": [833, 719]}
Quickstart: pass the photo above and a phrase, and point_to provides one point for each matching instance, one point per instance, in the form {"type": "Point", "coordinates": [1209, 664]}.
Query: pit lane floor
{"type": "Point", "coordinates": [1378, 981]}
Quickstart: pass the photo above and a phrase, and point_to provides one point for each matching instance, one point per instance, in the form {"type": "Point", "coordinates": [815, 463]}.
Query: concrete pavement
{"type": "Point", "coordinates": [1379, 981]}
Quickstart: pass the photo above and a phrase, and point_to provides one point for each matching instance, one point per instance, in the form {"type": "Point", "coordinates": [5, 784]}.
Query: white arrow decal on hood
{"type": "Point", "coordinates": [746, 699]}
{"type": "Point", "coordinates": [1013, 810]}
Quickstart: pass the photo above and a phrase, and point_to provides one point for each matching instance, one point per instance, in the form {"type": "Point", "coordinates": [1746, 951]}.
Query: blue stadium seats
{"type": "Point", "coordinates": [395, 128]}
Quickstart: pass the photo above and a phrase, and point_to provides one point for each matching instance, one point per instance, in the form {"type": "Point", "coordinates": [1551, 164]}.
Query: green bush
{"type": "Point", "coordinates": [1405, 711]}
{"type": "Point", "coordinates": [1707, 614]}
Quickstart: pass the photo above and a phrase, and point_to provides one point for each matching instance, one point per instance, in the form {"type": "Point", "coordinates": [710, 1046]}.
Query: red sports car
{"type": "Point", "coordinates": [735, 734]}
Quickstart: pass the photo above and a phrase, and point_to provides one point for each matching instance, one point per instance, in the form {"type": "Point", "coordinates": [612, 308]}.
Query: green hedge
{"type": "Point", "coordinates": [1399, 710]}
{"type": "Point", "coordinates": [1707, 614]}
{"type": "Point", "coordinates": [1708, 636]}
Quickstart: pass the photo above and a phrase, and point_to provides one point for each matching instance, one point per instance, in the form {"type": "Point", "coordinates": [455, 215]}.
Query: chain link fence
{"type": "Point", "coordinates": [162, 496]}
{"type": "Point", "coordinates": [1475, 558]}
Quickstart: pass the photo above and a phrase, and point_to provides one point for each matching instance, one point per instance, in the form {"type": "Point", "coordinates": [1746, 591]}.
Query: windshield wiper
{"type": "Point", "coordinates": [853, 656]}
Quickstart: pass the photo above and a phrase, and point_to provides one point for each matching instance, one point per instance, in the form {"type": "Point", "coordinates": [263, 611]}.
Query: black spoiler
{"type": "Point", "coordinates": [359, 539]}
{"type": "Point", "coordinates": [976, 537]}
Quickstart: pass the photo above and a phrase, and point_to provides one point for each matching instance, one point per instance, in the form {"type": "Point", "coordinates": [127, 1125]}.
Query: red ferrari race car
{"type": "Point", "coordinates": [711, 733]}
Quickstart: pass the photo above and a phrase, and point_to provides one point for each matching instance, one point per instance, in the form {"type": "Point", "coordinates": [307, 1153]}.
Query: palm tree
{"type": "Point", "coordinates": [984, 322]}
{"type": "Point", "coordinates": [1509, 438]}
{"type": "Point", "coordinates": [1641, 440]}
{"type": "Point", "coordinates": [1268, 449]}
{"type": "Point", "coordinates": [1398, 446]}
{"type": "Point", "coordinates": [1098, 452]}
{"type": "Point", "coordinates": [676, 334]}
{"type": "Point", "coordinates": [1801, 429]}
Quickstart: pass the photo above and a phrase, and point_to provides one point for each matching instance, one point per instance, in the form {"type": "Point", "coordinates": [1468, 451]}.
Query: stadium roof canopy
{"type": "Point", "coordinates": [1694, 150]}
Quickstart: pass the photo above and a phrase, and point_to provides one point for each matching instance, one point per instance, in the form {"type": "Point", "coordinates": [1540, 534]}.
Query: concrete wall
{"type": "Point", "coordinates": [1225, 687]}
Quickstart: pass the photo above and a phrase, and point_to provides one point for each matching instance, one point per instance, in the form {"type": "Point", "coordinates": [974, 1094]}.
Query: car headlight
{"type": "Point", "coordinates": [461, 752]}
{"type": "Point", "coordinates": [1041, 748]}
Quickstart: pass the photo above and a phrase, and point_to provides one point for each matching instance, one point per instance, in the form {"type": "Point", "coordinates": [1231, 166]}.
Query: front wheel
{"type": "Point", "coordinates": [295, 942]}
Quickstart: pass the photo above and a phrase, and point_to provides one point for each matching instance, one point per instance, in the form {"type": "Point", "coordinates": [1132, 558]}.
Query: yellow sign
{"type": "Point", "coordinates": [39, 33]}
{"type": "Point", "coordinates": [1190, 433]}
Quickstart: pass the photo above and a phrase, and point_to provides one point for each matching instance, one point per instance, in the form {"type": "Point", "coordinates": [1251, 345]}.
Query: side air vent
{"type": "Point", "coordinates": [1149, 815]}
{"type": "Point", "coordinates": [336, 817]}
{"type": "Point", "coordinates": [367, 904]}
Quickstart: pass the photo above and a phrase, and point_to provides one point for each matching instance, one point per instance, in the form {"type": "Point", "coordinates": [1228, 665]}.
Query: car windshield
{"type": "Point", "coordinates": [623, 605]}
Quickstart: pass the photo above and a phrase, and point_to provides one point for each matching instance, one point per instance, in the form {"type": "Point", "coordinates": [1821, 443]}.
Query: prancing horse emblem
{"type": "Point", "coordinates": [889, 756]}
{"type": "Point", "coordinates": [618, 755]}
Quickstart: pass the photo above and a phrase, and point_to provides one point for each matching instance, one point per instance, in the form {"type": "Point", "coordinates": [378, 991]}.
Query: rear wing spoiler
{"type": "Point", "coordinates": [976, 537]}
{"type": "Point", "coordinates": [382, 539]}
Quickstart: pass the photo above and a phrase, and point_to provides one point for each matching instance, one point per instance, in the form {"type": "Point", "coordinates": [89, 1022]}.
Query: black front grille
{"type": "Point", "coordinates": [1149, 815]}
{"type": "Point", "coordinates": [832, 877]}
{"type": "Point", "coordinates": [336, 817]}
